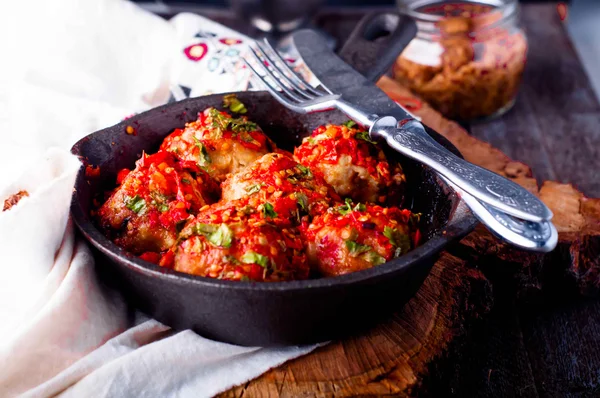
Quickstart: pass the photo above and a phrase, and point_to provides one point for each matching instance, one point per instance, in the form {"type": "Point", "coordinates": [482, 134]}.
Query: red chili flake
{"type": "Point", "coordinates": [130, 130]}
{"type": "Point", "coordinates": [92, 171]}
{"type": "Point", "coordinates": [121, 175]}
{"type": "Point", "coordinates": [168, 259]}
{"type": "Point", "coordinates": [151, 257]}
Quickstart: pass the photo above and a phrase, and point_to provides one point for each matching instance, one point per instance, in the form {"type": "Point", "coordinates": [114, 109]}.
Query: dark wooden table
{"type": "Point", "coordinates": [546, 346]}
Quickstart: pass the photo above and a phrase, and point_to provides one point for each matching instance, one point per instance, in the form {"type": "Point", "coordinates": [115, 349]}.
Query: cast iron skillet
{"type": "Point", "coordinates": [265, 314]}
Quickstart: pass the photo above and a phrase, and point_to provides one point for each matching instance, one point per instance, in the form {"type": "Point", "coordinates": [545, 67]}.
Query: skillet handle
{"type": "Point", "coordinates": [376, 42]}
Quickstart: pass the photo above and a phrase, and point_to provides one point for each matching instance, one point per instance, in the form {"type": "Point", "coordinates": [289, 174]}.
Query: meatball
{"type": "Point", "coordinates": [280, 185]}
{"type": "Point", "coordinates": [219, 143]}
{"type": "Point", "coordinates": [143, 213]}
{"type": "Point", "coordinates": [354, 165]}
{"type": "Point", "coordinates": [225, 242]}
{"type": "Point", "coordinates": [349, 237]}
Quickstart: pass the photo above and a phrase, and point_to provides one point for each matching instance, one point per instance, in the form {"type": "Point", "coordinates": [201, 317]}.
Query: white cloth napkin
{"type": "Point", "coordinates": [78, 66]}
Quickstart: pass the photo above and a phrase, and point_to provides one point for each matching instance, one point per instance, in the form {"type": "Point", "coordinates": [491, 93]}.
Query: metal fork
{"type": "Point", "coordinates": [525, 224]}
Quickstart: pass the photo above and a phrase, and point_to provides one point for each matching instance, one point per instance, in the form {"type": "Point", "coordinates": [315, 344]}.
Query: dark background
{"type": "Point", "coordinates": [345, 3]}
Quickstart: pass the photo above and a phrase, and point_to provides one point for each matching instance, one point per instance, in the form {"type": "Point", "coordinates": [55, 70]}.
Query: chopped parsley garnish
{"type": "Point", "coordinates": [375, 258]}
{"type": "Point", "coordinates": [160, 201]}
{"type": "Point", "coordinates": [223, 123]}
{"type": "Point", "coordinates": [234, 104]}
{"type": "Point", "coordinates": [302, 200]}
{"type": "Point", "coordinates": [203, 158]}
{"type": "Point", "coordinates": [218, 235]}
{"type": "Point", "coordinates": [305, 170]}
{"type": "Point", "coordinates": [360, 207]}
{"type": "Point", "coordinates": [399, 240]}
{"type": "Point", "coordinates": [255, 258]}
{"type": "Point", "coordinates": [268, 210]}
{"type": "Point", "coordinates": [356, 248]}
{"type": "Point", "coordinates": [230, 260]}
{"type": "Point", "coordinates": [365, 137]}
{"type": "Point", "coordinates": [349, 124]}
{"type": "Point", "coordinates": [239, 125]}
{"type": "Point", "coordinates": [186, 181]}
{"type": "Point", "coordinates": [244, 278]}
{"type": "Point", "coordinates": [253, 188]}
{"type": "Point", "coordinates": [347, 207]}
{"type": "Point", "coordinates": [135, 204]}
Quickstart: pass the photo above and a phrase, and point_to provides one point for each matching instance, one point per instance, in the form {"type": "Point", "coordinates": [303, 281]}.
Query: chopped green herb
{"type": "Point", "coordinates": [234, 104]}
{"type": "Point", "coordinates": [219, 121]}
{"type": "Point", "coordinates": [136, 204]}
{"type": "Point", "coordinates": [163, 207]}
{"type": "Point", "coordinates": [239, 125]}
{"type": "Point", "coordinates": [349, 124]}
{"type": "Point", "coordinates": [305, 170]}
{"type": "Point", "coordinates": [251, 189]}
{"type": "Point", "coordinates": [360, 207]}
{"type": "Point", "coordinates": [365, 137]}
{"type": "Point", "coordinates": [397, 239]}
{"type": "Point", "coordinates": [302, 200]}
{"type": "Point", "coordinates": [268, 210]}
{"type": "Point", "coordinates": [255, 258]}
{"type": "Point", "coordinates": [221, 237]}
{"type": "Point", "coordinates": [186, 181]}
{"type": "Point", "coordinates": [347, 207]}
{"type": "Point", "coordinates": [223, 123]}
{"type": "Point", "coordinates": [203, 158]}
{"type": "Point", "coordinates": [356, 248]}
{"type": "Point", "coordinates": [218, 235]}
{"type": "Point", "coordinates": [245, 278]}
{"type": "Point", "coordinates": [374, 258]}
{"type": "Point", "coordinates": [204, 229]}
{"type": "Point", "coordinates": [311, 140]}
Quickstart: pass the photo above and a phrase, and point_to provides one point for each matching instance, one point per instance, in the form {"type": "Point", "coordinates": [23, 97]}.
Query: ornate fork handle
{"type": "Point", "coordinates": [492, 189]}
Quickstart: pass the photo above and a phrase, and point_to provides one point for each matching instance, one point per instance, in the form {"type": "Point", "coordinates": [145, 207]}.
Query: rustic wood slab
{"type": "Point", "coordinates": [395, 356]}
{"type": "Point", "coordinates": [550, 349]}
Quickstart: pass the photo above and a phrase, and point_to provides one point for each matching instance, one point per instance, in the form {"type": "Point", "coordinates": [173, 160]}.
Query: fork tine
{"type": "Point", "coordinates": [277, 81]}
{"type": "Point", "coordinates": [272, 89]}
{"type": "Point", "coordinates": [292, 74]}
{"type": "Point", "coordinates": [300, 88]}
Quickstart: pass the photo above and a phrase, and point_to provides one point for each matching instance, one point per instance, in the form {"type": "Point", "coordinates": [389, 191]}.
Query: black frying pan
{"type": "Point", "coordinates": [267, 314]}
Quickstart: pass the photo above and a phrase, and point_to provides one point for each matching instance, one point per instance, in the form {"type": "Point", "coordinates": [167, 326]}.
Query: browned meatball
{"type": "Point", "coordinates": [354, 165]}
{"type": "Point", "coordinates": [143, 213]}
{"type": "Point", "coordinates": [226, 242]}
{"type": "Point", "coordinates": [353, 237]}
{"type": "Point", "coordinates": [287, 188]}
{"type": "Point", "coordinates": [219, 143]}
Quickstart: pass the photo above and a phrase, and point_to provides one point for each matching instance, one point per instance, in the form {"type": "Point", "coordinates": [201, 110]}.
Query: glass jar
{"type": "Point", "coordinates": [467, 58]}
